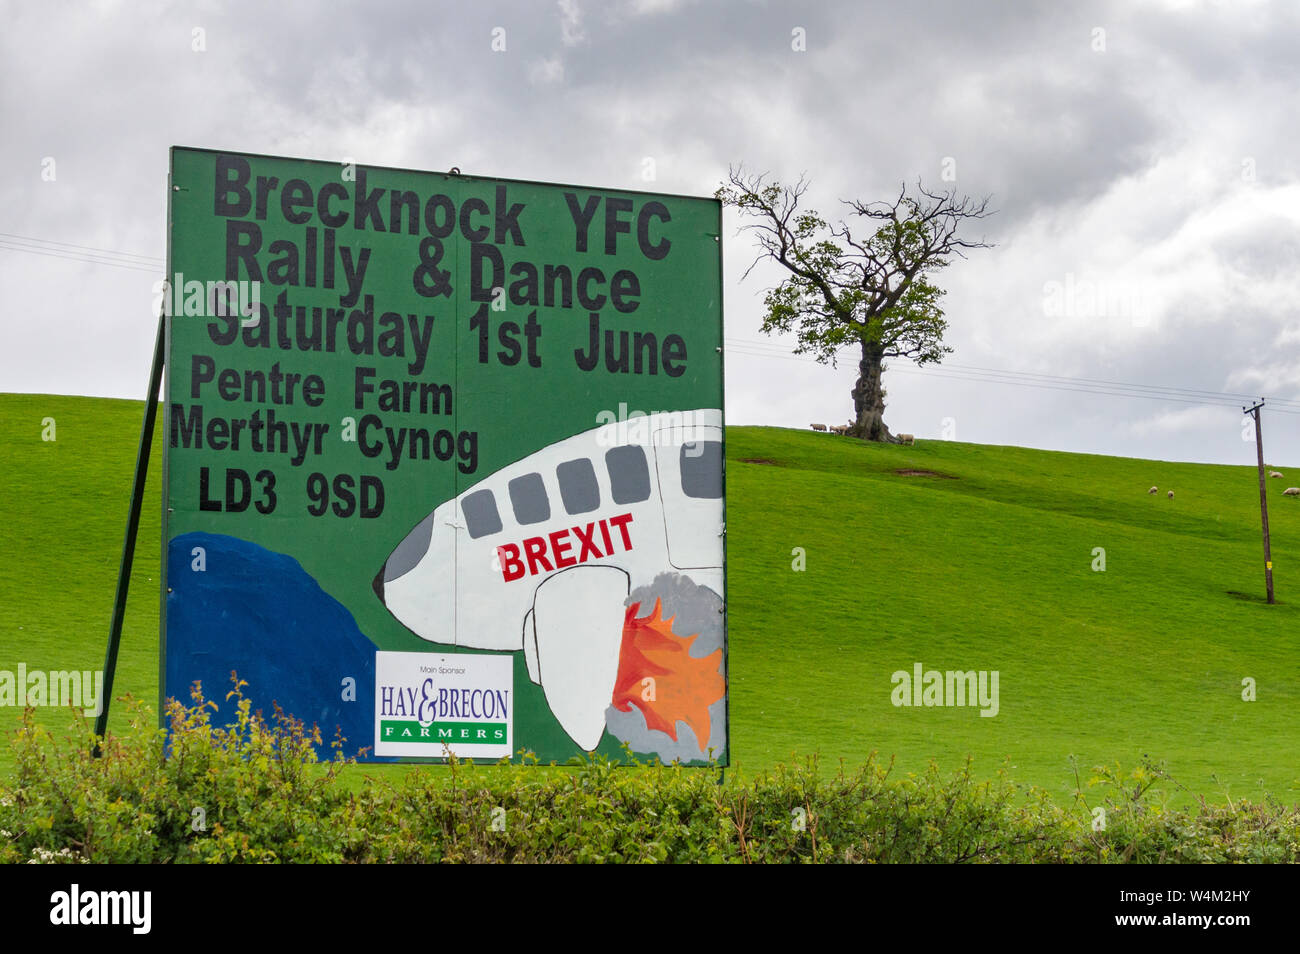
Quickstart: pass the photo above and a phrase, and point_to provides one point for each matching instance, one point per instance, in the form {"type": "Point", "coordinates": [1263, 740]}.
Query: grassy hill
{"type": "Point", "coordinates": [985, 562]}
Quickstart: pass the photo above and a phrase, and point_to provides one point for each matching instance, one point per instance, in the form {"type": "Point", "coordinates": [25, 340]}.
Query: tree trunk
{"type": "Point", "coordinates": [869, 398]}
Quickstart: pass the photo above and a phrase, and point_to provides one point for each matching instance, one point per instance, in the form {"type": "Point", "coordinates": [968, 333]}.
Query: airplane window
{"type": "Point", "coordinates": [701, 467]}
{"type": "Point", "coordinates": [481, 517]}
{"type": "Point", "coordinates": [629, 477]}
{"type": "Point", "coordinates": [528, 497]}
{"type": "Point", "coordinates": [578, 487]}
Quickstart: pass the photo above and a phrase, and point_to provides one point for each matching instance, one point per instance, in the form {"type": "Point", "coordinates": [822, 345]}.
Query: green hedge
{"type": "Point", "coordinates": [254, 791]}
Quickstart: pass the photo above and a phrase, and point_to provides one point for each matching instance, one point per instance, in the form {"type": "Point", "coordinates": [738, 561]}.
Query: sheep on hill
{"type": "Point", "coordinates": [818, 427]}
{"type": "Point", "coordinates": [1275, 473]}
{"type": "Point", "coordinates": [1154, 490]}
{"type": "Point", "coordinates": [1291, 492]}
{"type": "Point", "coordinates": [1171, 495]}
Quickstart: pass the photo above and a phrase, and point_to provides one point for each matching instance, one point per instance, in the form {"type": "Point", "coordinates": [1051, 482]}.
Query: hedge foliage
{"type": "Point", "coordinates": [254, 791]}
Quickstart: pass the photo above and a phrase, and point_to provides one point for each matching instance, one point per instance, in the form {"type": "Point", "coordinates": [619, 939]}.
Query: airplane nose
{"type": "Point", "coordinates": [378, 584]}
{"type": "Point", "coordinates": [408, 553]}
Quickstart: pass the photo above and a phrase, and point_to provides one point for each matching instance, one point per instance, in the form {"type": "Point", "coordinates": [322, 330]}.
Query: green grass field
{"type": "Point", "coordinates": [988, 567]}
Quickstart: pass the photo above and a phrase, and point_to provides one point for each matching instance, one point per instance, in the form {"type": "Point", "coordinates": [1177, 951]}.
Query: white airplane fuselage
{"type": "Point", "coordinates": [643, 495]}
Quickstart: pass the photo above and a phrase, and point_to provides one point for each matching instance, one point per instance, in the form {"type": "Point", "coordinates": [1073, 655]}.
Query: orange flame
{"type": "Point", "coordinates": [658, 675]}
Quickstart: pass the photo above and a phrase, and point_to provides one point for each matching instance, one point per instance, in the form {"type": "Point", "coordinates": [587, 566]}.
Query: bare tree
{"type": "Point", "coordinates": [875, 292]}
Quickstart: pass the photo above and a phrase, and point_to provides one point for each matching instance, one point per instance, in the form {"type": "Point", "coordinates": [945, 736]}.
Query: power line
{"type": "Point", "coordinates": [996, 378]}
{"type": "Point", "coordinates": [83, 258]}
{"type": "Point", "coordinates": [87, 248]}
{"type": "Point", "coordinates": [79, 253]}
{"type": "Point", "coordinates": [1109, 392]}
{"type": "Point", "coordinates": [1196, 396]}
{"type": "Point", "coordinates": [1042, 381]}
{"type": "Point", "coordinates": [1234, 397]}
{"type": "Point", "coordinates": [1194, 392]}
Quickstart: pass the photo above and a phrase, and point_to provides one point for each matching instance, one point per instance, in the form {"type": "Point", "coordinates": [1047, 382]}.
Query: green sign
{"type": "Point", "coordinates": [436, 732]}
{"type": "Point", "coordinates": [444, 462]}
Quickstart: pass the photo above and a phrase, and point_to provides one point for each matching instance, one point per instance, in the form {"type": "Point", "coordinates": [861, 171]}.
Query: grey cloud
{"type": "Point", "coordinates": [584, 91]}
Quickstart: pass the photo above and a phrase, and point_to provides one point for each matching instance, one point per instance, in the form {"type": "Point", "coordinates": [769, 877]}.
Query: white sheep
{"type": "Point", "coordinates": [1275, 473]}
{"type": "Point", "coordinates": [1171, 495]}
{"type": "Point", "coordinates": [1291, 492]}
{"type": "Point", "coordinates": [907, 438]}
{"type": "Point", "coordinates": [818, 427]}
{"type": "Point", "coordinates": [1154, 490]}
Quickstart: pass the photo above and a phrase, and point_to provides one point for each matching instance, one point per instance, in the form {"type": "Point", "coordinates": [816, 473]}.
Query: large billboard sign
{"type": "Point", "coordinates": [444, 466]}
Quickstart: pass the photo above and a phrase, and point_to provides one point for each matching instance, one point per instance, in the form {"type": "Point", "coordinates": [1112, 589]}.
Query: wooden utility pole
{"type": "Point", "coordinates": [1263, 497]}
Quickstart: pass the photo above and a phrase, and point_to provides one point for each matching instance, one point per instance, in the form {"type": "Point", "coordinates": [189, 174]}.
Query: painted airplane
{"type": "Point", "coordinates": [542, 554]}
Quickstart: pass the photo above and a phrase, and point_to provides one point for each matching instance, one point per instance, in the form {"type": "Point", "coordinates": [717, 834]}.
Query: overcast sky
{"type": "Point", "coordinates": [1141, 155]}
